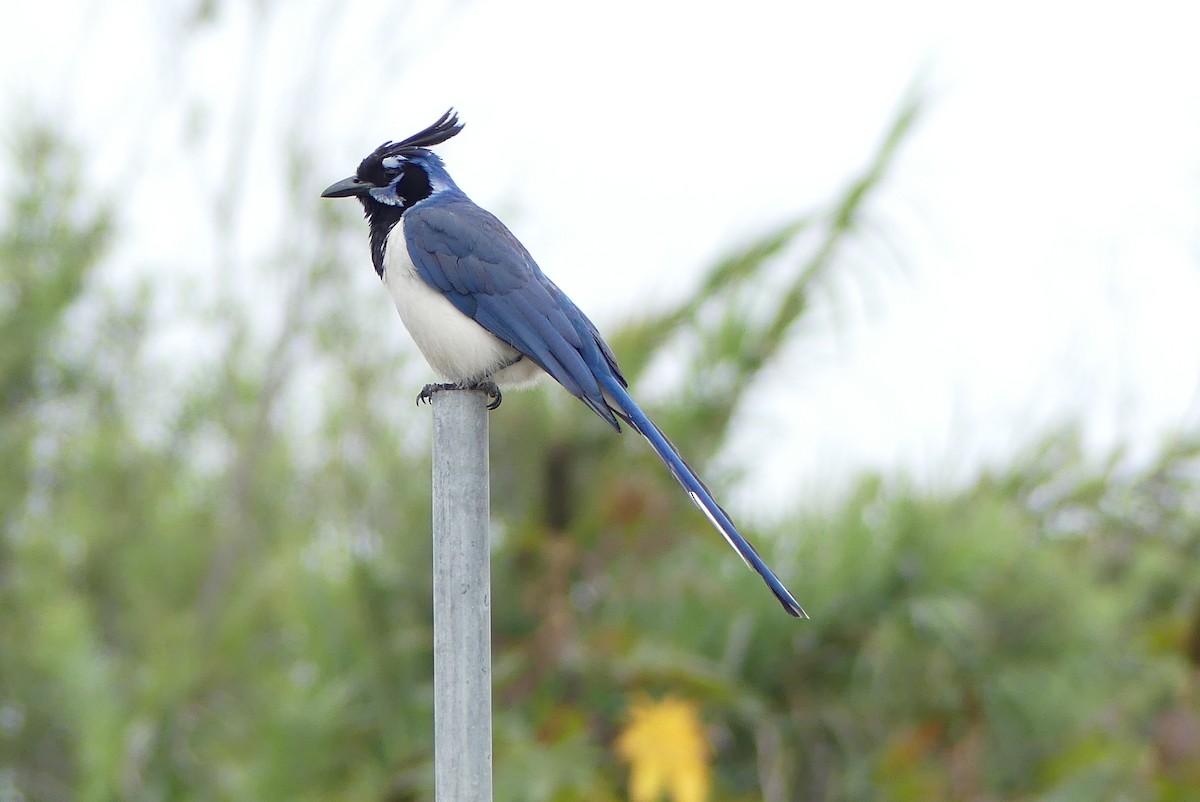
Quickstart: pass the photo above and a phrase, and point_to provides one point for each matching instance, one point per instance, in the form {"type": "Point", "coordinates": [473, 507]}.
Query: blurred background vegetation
{"type": "Point", "coordinates": [214, 582]}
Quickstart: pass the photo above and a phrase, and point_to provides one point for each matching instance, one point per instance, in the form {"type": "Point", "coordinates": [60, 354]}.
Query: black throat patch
{"type": "Point", "coordinates": [413, 187]}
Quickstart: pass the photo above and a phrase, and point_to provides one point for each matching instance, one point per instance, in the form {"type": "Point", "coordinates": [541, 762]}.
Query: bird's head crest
{"type": "Point", "coordinates": [446, 126]}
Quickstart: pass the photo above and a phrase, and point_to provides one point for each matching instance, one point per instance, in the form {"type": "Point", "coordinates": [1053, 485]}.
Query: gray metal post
{"type": "Point", "coordinates": [462, 603]}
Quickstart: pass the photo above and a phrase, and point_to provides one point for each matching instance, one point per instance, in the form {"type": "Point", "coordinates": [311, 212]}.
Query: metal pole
{"type": "Point", "coordinates": [462, 636]}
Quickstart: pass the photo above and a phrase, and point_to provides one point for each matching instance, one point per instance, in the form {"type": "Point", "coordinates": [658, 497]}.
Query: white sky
{"type": "Point", "coordinates": [1046, 208]}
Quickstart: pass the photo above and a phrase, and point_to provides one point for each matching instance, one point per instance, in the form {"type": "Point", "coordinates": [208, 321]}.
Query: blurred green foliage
{"type": "Point", "coordinates": [225, 595]}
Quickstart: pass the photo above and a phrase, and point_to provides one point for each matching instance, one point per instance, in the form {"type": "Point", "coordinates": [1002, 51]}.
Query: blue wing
{"type": "Point", "coordinates": [469, 256]}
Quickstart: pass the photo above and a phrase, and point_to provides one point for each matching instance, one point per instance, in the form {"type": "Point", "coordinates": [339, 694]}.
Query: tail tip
{"type": "Point", "coordinates": [794, 609]}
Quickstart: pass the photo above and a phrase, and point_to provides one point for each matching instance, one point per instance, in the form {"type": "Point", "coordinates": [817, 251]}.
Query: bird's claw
{"type": "Point", "coordinates": [492, 390]}
{"type": "Point", "coordinates": [488, 387]}
{"type": "Point", "coordinates": [426, 394]}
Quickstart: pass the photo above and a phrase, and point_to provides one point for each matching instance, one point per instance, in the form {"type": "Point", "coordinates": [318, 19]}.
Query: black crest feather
{"type": "Point", "coordinates": [446, 126]}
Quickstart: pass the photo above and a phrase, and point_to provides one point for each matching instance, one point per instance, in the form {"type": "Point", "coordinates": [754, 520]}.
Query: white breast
{"type": "Point", "coordinates": [454, 345]}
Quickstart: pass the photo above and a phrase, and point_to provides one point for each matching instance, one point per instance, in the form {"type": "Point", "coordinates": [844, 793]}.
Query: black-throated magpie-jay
{"type": "Point", "coordinates": [482, 312]}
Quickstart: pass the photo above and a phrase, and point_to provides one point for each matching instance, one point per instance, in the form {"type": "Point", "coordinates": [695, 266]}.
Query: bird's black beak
{"type": "Point", "coordinates": [347, 187]}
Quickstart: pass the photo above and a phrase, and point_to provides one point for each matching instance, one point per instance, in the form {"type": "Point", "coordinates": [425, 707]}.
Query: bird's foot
{"type": "Point", "coordinates": [488, 387]}
{"type": "Point", "coordinates": [426, 394]}
{"type": "Point", "coordinates": [492, 390]}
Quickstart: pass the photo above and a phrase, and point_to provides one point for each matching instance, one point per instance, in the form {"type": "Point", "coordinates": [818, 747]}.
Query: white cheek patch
{"type": "Point", "coordinates": [387, 195]}
{"type": "Point", "coordinates": [391, 163]}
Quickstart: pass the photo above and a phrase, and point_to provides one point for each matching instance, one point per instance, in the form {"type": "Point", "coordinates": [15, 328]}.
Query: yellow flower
{"type": "Point", "coordinates": [667, 752]}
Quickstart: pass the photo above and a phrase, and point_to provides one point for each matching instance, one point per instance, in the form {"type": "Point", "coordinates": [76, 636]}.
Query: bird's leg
{"type": "Point", "coordinates": [487, 385]}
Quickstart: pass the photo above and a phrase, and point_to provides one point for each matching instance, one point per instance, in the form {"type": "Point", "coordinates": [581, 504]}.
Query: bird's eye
{"type": "Point", "coordinates": [391, 163]}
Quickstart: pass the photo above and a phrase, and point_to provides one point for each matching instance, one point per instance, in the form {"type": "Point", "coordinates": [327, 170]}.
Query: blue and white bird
{"type": "Point", "coordinates": [483, 313]}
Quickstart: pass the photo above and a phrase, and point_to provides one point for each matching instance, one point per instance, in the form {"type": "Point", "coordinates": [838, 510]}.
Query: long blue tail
{"type": "Point", "coordinates": [633, 415]}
